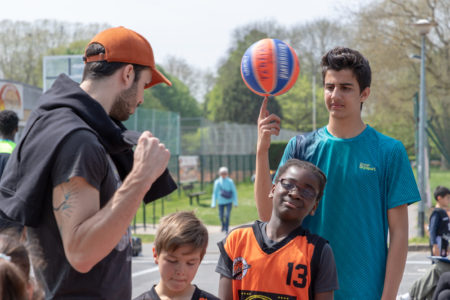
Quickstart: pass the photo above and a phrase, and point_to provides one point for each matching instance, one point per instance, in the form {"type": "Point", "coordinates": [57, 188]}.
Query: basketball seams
{"type": "Point", "coordinates": [293, 74]}
{"type": "Point", "coordinates": [269, 67]}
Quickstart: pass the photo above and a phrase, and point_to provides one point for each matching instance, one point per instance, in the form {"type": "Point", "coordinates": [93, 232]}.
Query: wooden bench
{"type": "Point", "coordinates": [188, 190]}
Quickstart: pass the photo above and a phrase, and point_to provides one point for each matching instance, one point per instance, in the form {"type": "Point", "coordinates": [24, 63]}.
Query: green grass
{"type": "Point", "coordinates": [145, 238]}
{"type": "Point", "coordinates": [245, 212]}
{"type": "Point", "coordinates": [419, 240]}
{"type": "Point", "coordinates": [437, 177]}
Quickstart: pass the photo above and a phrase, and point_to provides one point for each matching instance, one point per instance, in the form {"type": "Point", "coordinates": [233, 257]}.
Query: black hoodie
{"type": "Point", "coordinates": [64, 109]}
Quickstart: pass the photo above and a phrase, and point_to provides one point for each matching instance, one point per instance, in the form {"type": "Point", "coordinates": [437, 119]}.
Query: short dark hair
{"type": "Point", "coordinates": [341, 58]}
{"type": "Point", "coordinates": [307, 166]}
{"type": "Point", "coordinates": [441, 191]}
{"type": "Point", "coordinates": [101, 69]}
{"type": "Point", "coordinates": [8, 122]}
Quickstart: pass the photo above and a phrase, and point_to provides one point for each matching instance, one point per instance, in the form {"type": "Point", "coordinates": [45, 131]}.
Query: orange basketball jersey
{"type": "Point", "coordinates": [283, 272]}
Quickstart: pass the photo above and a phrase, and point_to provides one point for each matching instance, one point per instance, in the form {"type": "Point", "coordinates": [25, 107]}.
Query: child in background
{"type": "Point", "coordinates": [179, 247]}
{"type": "Point", "coordinates": [280, 259]}
{"type": "Point", "coordinates": [439, 222]}
{"type": "Point", "coordinates": [424, 287]}
{"type": "Point", "coordinates": [15, 280]}
{"type": "Point", "coordinates": [13, 284]}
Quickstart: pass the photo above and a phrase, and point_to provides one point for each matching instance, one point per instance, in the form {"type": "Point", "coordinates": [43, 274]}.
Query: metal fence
{"type": "Point", "coordinates": [208, 144]}
{"type": "Point", "coordinates": [203, 137]}
{"type": "Point", "coordinates": [214, 144]}
{"type": "Point", "coordinates": [165, 125]}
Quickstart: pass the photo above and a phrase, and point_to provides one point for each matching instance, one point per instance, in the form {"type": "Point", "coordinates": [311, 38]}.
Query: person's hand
{"type": "Point", "coordinates": [268, 124]}
{"type": "Point", "coordinates": [151, 158]}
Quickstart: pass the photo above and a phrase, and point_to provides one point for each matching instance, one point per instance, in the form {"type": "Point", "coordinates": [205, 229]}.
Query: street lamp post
{"type": "Point", "coordinates": [424, 27]}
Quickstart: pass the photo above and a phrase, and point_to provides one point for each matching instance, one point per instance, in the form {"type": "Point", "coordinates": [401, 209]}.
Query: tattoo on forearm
{"type": "Point", "coordinates": [69, 192]}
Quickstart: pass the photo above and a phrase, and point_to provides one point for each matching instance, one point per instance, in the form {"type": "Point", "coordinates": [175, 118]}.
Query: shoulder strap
{"type": "Point", "coordinates": [442, 223]}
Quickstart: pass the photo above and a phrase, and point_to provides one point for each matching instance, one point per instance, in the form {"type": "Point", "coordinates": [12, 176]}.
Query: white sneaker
{"type": "Point", "coordinates": [404, 297]}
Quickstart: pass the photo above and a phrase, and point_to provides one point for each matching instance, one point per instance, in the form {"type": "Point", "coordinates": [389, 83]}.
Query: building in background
{"type": "Point", "coordinates": [20, 98]}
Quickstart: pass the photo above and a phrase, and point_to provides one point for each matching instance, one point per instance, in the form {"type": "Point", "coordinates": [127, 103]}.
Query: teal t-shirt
{"type": "Point", "coordinates": [366, 176]}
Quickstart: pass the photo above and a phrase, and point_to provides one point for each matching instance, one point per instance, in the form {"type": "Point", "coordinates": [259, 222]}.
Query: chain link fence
{"type": "Point", "coordinates": [212, 144]}
{"type": "Point", "coordinates": [165, 125]}
{"type": "Point", "coordinates": [203, 137]}
{"type": "Point", "coordinates": [199, 148]}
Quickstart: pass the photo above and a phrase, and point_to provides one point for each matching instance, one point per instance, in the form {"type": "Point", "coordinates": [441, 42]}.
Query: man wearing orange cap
{"type": "Point", "coordinates": [75, 181]}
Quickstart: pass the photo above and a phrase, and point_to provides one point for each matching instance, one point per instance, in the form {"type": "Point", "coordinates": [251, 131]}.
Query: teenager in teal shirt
{"type": "Point", "coordinates": [370, 182]}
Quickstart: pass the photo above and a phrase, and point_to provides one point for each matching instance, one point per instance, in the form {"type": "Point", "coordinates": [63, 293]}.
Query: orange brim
{"type": "Point", "coordinates": [158, 77]}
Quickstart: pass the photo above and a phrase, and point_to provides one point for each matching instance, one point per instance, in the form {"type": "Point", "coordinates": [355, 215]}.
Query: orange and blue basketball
{"type": "Point", "coordinates": [270, 67]}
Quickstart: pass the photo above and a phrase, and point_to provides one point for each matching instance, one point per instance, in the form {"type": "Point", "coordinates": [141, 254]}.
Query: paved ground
{"type": "Point", "coordinates": [145, 272]}
{"type": "Point", "coordinates": [417, 265]}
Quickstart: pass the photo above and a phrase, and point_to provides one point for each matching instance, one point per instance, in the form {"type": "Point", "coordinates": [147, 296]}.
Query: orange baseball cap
{"type": "Point", "coordinates": [127, 46]}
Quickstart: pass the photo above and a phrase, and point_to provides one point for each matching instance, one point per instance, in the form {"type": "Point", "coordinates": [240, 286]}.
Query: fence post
{"type": "Point", "coordinates": [236, 167]}
{"type": "Point", "coordinates": [144, 215]}
{"type": "Point", "coordinates": [201, 172]}
{"type": "Point", "coordinates": [211, 173]}
{"type": "Point", "coordinates": [178, 174]}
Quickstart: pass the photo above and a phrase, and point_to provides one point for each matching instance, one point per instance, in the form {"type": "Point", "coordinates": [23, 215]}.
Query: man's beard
{"type": "Point", "coordinates": [120, 109]}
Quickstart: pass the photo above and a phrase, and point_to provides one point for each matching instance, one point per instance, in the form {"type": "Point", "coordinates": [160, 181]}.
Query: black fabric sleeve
{"type": "Point", "coordinates": [80, 154]}
{"type": "Point", "coordinates": [224, 263]}
{"type": "Point", "coordinates": [326, 278]}
{"type": "Point", "coordinates": [201, 294]}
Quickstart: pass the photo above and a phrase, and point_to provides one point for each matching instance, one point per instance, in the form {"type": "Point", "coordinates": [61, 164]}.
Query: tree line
{"type": "Point", "coordinates": [380, 29]}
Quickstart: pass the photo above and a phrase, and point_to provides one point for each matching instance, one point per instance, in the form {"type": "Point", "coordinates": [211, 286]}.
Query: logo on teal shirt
{"type": "Point", "coordinates": [367, 167]}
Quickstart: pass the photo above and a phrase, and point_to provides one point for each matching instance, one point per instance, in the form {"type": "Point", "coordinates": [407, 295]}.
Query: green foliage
{"type": "Point", "coordinates": [73, 48]}
{"type": "Point", "coordinates": [384, 39]}
{"type": "Point", "coordinates": [176, 98]}
{"type": "Point", "coordinates": [276, 151]}
{"type": "Point", "coordinates": [230, 99]}
{"type": "Point", "coordinates": [297, 106]}
{"type": "Point", "coordinates": [24, 44]}
{"type": "Point", "coordinates": [190, 141]}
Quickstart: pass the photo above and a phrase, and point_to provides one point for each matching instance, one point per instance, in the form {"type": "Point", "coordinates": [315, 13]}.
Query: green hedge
{"type": "Point", "coordinates": [275, 153]}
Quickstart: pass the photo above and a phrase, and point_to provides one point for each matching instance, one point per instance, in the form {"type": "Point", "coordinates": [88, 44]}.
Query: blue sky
{"type": "Point", "coordinates": [197, 30]}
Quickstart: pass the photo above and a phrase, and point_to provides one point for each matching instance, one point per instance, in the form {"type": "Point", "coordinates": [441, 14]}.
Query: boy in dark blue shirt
{"type": "Point", "coordinates": [423, 288]}
{"type": "Point", "coordinates": [439, 222]}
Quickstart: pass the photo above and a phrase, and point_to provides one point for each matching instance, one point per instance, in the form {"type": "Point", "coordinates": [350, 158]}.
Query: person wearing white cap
{"type": "Point", "coordinates": [224, 194]}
